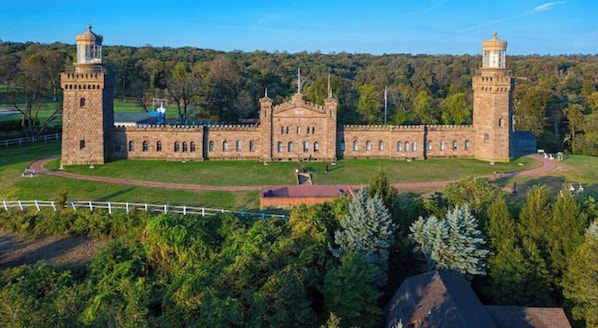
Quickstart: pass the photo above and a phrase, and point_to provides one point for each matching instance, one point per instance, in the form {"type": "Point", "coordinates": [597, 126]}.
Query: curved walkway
{"type": "Point", "coordinates": [547, 166]}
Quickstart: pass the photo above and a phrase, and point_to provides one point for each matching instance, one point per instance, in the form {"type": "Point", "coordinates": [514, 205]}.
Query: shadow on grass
{"type": "Point", "coordinates": [50, 252]}
{"type": "Point", "coordinates": [115, 194]}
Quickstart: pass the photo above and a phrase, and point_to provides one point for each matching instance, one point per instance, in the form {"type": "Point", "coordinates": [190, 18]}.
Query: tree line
{"type": "Point", "coordinates": [555, 96]}
{"type": "Point", "coordinates": [329, 265]}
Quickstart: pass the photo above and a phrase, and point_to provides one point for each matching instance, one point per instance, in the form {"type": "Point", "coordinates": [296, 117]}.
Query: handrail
{"type": "Point", "coordinates": [129, 207]}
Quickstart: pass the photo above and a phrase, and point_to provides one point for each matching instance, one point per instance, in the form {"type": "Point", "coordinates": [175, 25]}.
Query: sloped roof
{"type": "Point", "coordinates": [528, 317]}
{"type": "Point", "coordinates": [437, 299]}
{"type": "Point", "coordinates": [440, 299]}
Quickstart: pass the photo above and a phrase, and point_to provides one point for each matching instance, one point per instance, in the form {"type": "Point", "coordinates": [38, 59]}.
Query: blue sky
{"type": "Point", "coordinates": [328, 26]}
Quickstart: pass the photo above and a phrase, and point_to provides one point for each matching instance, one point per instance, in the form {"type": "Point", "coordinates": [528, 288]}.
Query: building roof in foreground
{"type": "Point", "coordinates": [439, 299]}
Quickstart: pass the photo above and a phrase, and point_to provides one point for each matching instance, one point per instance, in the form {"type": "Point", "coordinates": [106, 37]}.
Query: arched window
{"type": "Point", "coordinates": [159, 146]}
{"type": "Point", "coordinates": [407, 146]}
{"type": "Point", "coordinates": [486, 137]}
{"type": "Point", "coordinates": [399, 146]}
{"type": "Point", "coordinates": [368, 146]}
{"type": "Point", "coordinates": [429, 144]}
{"type": "Point", "coordinates": [184, 146]}
{"type": "Point", "coordinates": [224, 146]}
{"type": "Point", "coordinates": [290, 147]}
{"type": "Point", "coordinates": [305, 146]}
{"type": "Point", "coordinates": [316, 147]}
{"type": "Point", "coordinates": [467, 145]}
{"type": "Point", "coordinates": [82, 144]}
{"type": "Point", "coordinates": [313, 129]}
{"type": "Point", "coordinates": [131, 145]}
{"type": "Point", "coordinates": [442, 145]}
{"type": "Point", "coordinates": [342, 145]}
{"type": "Point", "coordinates": [279, 147]}
{"type": "Point", "coordinates": [298, 130]}
{"type": "Point", "coordinates": [355, 145]}
{"type": "Point", "coordinates": [238, 145]}
{"type": "Point", "coordinates": [145, 146]}
{"type": "Point", "coordinates": [286, 130]}
{"type": "Point", "coordinates": [211, 145]}
{"type": "Point", "coordinates": [177, 146]}
{"type": "Point", "coordinates": [380, 145]}
{"type": "Point", "coordinates": [192, 146]}
{"type": "Point", "coordinates": [82, 102]}
{"type": "Point", "coordinates": [414, 146]}
{"type": "Point", "coordinates": [500, 122]}
{"type": "Point", "coordinates": [251, 146]}
{"type": "Point", "coordinates": [282, 130]}
{"type": "Point", "coordinates": [454, 144]}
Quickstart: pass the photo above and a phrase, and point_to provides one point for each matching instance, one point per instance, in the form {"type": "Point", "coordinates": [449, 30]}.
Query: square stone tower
{"type": "Point", "coordinates": [493, 104]}
{"type": "Point", "coordinates": [88, 112]}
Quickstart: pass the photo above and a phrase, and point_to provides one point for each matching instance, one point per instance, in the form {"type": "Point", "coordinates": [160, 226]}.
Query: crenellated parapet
{"type": "Point", "coordinates": [383, 128]}
{"type": "Point", "coordinates": [248, 128]}
{"type": "Point", "coordinates": [450, 127]}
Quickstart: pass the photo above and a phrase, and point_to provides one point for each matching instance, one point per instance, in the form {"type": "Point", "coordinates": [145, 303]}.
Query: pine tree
{"type": "Point", "coordinates": [453, 243]}
{"type": "Point", "coordinates": [381, 188]}
{"type": "Point", "coordinates": [367, 229]}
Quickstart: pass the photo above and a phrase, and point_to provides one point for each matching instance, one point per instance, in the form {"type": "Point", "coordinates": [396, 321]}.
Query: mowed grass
{"type": "Point", "coordinates": [13, 186]}
{"type": "Point", "coordinates": [245, 173]}
{"type": "Point", "coordinates": [13, 159]}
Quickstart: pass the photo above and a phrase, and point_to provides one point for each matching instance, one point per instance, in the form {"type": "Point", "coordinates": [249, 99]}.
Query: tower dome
{"type": "Point", "coordinates": [89, 51]}
{"type": "Point", "coordinates": [494, 53]}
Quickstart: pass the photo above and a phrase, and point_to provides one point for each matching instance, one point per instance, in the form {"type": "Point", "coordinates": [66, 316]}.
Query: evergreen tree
{"type": "Point", "coordinates": [349, 293]}
{"type": "Point", "coordinates": [453, 243]}
{"type": "Point", "coordinates": [367, 229]}
{"type": "Point", "coordinates": [580, 283]}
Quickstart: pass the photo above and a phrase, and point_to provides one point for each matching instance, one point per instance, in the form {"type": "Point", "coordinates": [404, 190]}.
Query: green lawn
{"type": "Point", "coordinates": [242, 173]}
{"type": "Point", "coordinates": [576, 169]}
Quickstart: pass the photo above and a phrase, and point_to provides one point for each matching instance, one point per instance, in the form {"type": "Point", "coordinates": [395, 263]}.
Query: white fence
{"type": "Point", "coordinates": [20, 141]}
{"type": "Point", "coordinates": [128, 207]}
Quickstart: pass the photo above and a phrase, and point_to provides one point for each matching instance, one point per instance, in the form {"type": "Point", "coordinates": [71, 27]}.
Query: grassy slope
{"type": "Point", "coordinates": [576, 169]}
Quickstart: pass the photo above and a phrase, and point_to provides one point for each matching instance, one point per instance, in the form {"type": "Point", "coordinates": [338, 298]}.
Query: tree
{"type": "Point", "coordinates": [455, 110]}
{"type": "Point", "coordinates": [477, 192]}
{"type": "Point", "coordinates": [453, 243]}
{"type": "Point", "coordinates": [370, 104]}
{"type": "Point", "coordinates": [381, 188]}
{"type": "Point", "coordinates": [580, 285]}
{"type": "Point", "coordinates": [183, 86]}
{"type": "Point", "coordinates": [223, 88]}
{"type": "Point", "coordinates": [32, 86]}
{"type": "Point", "coordinates": [350, 293]}
{"type": "Point", "coordinates": [367, 229]}
{"type": "Point", "coordinates": [424, 113]}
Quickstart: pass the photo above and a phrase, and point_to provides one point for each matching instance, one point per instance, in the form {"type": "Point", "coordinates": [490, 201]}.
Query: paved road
{"type": "Point", "coordinates": [547, 166]}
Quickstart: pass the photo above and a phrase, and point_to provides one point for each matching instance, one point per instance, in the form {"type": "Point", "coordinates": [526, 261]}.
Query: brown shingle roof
{"type": "Point", "coordinates": [527, 317]}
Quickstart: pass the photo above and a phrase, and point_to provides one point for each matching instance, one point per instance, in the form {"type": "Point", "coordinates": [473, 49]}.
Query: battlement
{"type": "Point", "coordinates": [233, 127]}
{"type": "Point", "coordinates": [382, 128]}
{"type": "Point", "coordinates": [88, 76]}
{"type": "Point", "coordinates": [157, 128]}
{"type": "Point", "coordinates": [449, 127]}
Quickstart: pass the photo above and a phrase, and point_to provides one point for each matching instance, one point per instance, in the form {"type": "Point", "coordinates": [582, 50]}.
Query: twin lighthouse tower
{"type": "Point", "coordinates": [292, 131]}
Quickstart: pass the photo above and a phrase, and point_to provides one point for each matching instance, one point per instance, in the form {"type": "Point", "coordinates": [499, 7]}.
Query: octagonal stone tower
{"type": "Point", "coordinates": [88, 112]}
{"type": "Point", "coordinates": [493, 104]}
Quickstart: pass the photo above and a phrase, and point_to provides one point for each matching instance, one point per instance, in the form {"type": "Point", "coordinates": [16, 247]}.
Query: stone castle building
{"type": "Point", "coordinates": [292, 131]}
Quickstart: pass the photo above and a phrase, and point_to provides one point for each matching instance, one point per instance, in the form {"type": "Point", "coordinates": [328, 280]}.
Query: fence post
{"type": "Point", "coordinates": [19, 141]}
{"type": "Point", "coordinates": [5, 205]}
{"type": "Point", "coordinates": [184, 210]}
{"type": "Point", "coordinates": [203, 211]}
{"type": "Point", "coordinates": [146, 207]}
{"type": "Point", "coordinates": [109, 208]}
{"type": "Point", "coordinates": [53, 206]}
{"type": "Point", "coordinates": [263, 216]}
{"type": "Point", "coordinates": [165, 208]}
{"type": "Point", "coordinates": [127, 207]}
{"type": "Point", "coordinates": [90, 206]}
{"type": "Point", "coordinates": [36, 205]}
{"type": "Point", "coordinates": [73, 205]}
{"type": "Point", "coordinates": [20, 205]}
